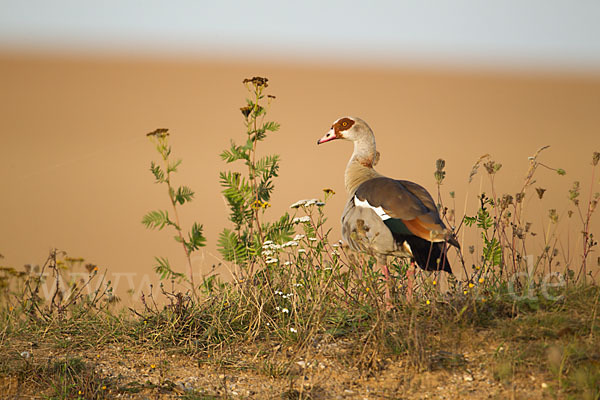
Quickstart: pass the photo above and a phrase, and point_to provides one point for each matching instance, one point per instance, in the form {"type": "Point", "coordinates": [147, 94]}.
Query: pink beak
{"type": "Point", "coordinates": [329, 136]}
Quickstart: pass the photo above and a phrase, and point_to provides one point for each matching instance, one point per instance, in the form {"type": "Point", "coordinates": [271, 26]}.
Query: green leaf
{"type": "Point", "coordinates": [271, 126]}
{"type": "Point", "coordinates": [492, 251]}
{"type": "Point", "coordinates": [164, 270]}
{"type": "Point", "coordinates": [158, 173]}
{"type": "Point", "coordinates": [238, 194]}
{"type": "Point", "coordinates": [231, 247]}
{"type": "Point", "coordinates": [156, 219]}
{"type": "Point", "coordinates": [279, 231]}
{"type": "Point", "coordinates": [172, 167]}
{"type": "Point", "coordinates": [469, 221]}
{"type": "Point", "coordinates": [268, 164]}
{"type": "Point", "coordinates": [235, 153]}
{"type": "Point", "coordinates": [195, 238]}
{"type": "Point", "coordinates": [184, 194]}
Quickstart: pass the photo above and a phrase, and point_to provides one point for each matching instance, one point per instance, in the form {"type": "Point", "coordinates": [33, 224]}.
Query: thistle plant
{"type": "Point", "coordinates": [160, 218]}
{"type": "Point", "coordinates": [504, 230]}
{"type": "Point", "coordinates": [585, 216]}
{"type": "Point", "coordinates": [248, 196]}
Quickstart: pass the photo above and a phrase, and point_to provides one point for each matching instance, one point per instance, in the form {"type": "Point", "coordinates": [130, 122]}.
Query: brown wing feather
{"type": "Point", "coordinates": [408, 202]}
{"type": "Point", "coordinates": [392, 196]}
{"type": "Point", "coordinates": [400, 199]}
{"type": "Point", "coordinates": [418, 228]}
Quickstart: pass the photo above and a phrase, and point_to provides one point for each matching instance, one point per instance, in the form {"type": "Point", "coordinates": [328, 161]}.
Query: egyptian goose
{"type": "Point", "coordinates": [387, 217]}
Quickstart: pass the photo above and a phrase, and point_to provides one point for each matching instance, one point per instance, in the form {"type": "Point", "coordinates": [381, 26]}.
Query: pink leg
{"type": "Point", "coordinates": [410, 273]}
{"type": "Point", "coordinates": [388, 282]}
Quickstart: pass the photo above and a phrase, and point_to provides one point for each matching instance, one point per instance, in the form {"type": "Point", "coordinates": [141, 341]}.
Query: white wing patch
{"type": "Point", "coordinates": [407, 248]}
{"type": "Point", "coordinates": [378, 210]}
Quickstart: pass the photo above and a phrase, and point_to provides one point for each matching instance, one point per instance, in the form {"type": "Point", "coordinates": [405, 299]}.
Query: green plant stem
{"type": "Point", "coordinates": [178, 228]}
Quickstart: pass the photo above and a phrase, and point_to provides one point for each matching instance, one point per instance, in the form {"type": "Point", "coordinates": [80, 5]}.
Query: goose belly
{"type": "Point", "coordinates": [364, 230]}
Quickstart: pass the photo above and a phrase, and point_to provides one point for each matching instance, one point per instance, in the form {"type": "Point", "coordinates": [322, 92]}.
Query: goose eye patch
{"type": "Point", "coordinates": [344, 124]}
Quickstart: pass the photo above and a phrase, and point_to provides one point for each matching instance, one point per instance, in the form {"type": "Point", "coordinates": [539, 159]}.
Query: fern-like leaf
{"type": "Point", "coordinates": [281, 230]}
{"type": "Point", "coordinates": [231, 247]}
{"type": "Point", "coordinates": [172, 167]}
{"type": "Point", "coordinates": [156, 219]}
{"type": "Point", "coordinates": [157, 171]}
{"type": "Point", "coordinates": [164, 270]}
{"type": "Point", "coordinates": [183, 194]}
{"type": "Point", "coordinates": [235, 153]}
{"type": "Point", "coordinates": [271, 126]}
{"type": "Point", "coordinates": [195, 238]}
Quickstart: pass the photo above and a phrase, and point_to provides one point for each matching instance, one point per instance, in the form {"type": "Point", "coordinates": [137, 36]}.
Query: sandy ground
{"type": "Point", "coordinates": [324, 372]}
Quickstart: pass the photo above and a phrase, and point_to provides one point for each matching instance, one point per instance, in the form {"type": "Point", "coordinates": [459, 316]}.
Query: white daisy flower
{"type": "Point", "coordinates": [293, 330]}
{"type": "Point", "coordinates": [290, 243]}
{"type": "Point", "coordinates": [299, 236]}
{"type": "Point", "coordinates": [287, 263]}
{"type": "Point", "coordinates": [312, 239]}
{"type": "Point", "coordinates": [299, 203]}
{"type": "Point", "coordinates": [271, 260]}
{"type": "Point", "coordinates": [297, 220]}
{"type": "Point", "coordinates": [301, 251]}
{"type": "Point", "coordinates": [285, 311]}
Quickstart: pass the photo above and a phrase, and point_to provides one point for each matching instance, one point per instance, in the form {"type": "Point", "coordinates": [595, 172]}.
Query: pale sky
{"type": "Point", "coordinates": [555, 34]}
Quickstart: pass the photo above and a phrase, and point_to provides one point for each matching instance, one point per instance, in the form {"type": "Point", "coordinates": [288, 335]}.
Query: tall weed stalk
{"type": "Point", "coordinates": [160, 219]}
{"type": "Point", "coordinates": [248, 194]}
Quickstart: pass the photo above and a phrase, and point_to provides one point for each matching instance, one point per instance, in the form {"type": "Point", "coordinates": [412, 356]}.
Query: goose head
{"type": "Point", "coordinates": [349, 128]}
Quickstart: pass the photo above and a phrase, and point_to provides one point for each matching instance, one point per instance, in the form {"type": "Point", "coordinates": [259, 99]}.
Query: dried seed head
{"type": "Point", "coordinates": [594, 202]}
{"type": "Point", "coordinates": [439, 176]}
{"type": "Point", "coordinates": [440, 164]}
{"type": "Point", "coordinates": [246, 111]}
{"type": "Point", "coordinates": [160, 133]}
{"type": "Point", "coordinates": [553, 215]}
{"type": "Point", "coordinates": [540, 192]}
{"type": "Point", "coordinates": [257, 81]}
{"type": "Point", "coordinates": [595, 158]}
{"type": "Point", "coordinates": [519, 233]}
{"type": "Point", "coordinates": [476, 166]}
{"type": "Point", "coordinates": [574, 193]}
{"type": "Point", "coordinates": [90, 267]}
{"type": "Point", "coordinates": [506, 200]}
{"type": "Point", "coordinates": [520, 196]}
{"type": "Point", "coordinates": [492, 167]}
{"type": "Point", "coordinates": [471, 249]}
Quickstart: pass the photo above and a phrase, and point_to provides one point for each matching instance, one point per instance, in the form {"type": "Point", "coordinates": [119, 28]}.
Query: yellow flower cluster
{"type": "Point", "coordinates": [261, 204]}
